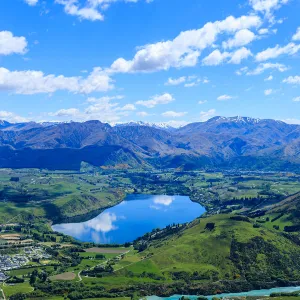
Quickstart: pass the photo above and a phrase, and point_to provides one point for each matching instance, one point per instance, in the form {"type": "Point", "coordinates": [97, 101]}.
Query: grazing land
{"type": "Point", "coordinates": [248, 239]}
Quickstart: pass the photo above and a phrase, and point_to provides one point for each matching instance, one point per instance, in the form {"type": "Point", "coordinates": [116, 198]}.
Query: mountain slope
{"type": "Point", "coordinates": [237, 142]}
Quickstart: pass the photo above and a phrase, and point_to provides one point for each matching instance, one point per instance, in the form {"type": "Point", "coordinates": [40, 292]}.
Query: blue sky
{"type": "Point", "coordinates": [168, 61]}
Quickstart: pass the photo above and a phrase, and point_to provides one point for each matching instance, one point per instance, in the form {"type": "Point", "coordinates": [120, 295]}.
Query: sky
{"type": "Point", "coordinates": [171, 61]}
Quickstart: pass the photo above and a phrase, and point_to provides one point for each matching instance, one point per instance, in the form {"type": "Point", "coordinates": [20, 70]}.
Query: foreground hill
{"type": "Point", "coordinates": [221, 253]}
{"type": "Point", "coordinates": [220, 142]}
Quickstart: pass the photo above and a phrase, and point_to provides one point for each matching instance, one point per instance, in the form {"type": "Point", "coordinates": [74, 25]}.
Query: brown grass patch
{"type": "Point", "coordinates": [64, 276]}
{"type": "Point", "coordinates": [105, 250]}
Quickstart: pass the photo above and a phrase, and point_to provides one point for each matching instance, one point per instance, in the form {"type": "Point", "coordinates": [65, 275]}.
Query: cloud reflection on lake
{"type": "Point", "coordinates": [132, 218]}
{"type": "Point", "coordinates": [163, 200]}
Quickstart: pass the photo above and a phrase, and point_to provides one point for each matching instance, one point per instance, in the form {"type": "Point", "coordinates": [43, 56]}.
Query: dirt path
{"type": "Point", "coordinates": [79, 276]}
{"type": "Point", "coordinates": [3, 295]}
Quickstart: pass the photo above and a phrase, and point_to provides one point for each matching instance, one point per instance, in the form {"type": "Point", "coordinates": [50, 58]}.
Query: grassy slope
{"type": "Point", "coordinates": [233, 251]}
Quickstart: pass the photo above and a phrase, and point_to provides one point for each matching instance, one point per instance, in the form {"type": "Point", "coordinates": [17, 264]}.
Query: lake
{"type": "Point", "coordinates": [132, 218]}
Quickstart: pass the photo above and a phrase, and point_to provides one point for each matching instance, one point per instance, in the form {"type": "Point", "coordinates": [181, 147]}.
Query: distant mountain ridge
{"type": "Point", "coordinates": [221, 142]}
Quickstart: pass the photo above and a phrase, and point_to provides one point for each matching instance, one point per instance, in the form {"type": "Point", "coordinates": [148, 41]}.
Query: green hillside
{"type": "Point", "coordinates": [234, 255]}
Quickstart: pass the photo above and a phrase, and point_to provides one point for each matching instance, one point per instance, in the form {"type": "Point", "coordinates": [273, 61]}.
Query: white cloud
{"type": "Point", "coordinates": [268, 92]}
{"type": "Point", "coordinates": [263, 31]}
{"type": "Point", "coordinates": [102, 109]}
{"type": "Point", "coordinates": [215, 58]}
{"type": "Point", "coordinates": [190, 81]}
{"type": "Point", "coordinates": [242, 71]}
{"type": "Point", "coordinates": [269, 78]}
{"type": "Point", "coordinates": [206, 115]}
{"type": "Point", "coordinates": [270, 53]}
{"type": "Point", "coordinates": [185, 49]}
{"type": "Point", "coordinates": [10, 44]}
{"type": "Point", "coordinates": [296, 99]}
{"type": "Point", "coordinates": [11, 117]}
{"type": "Point", "coordinates": [92, 10]}
{"type": "Point", "coordinates": [175, 81]}
{"type": "Point", "coordinates": [240, 55]}
{"type": "Point", "coordinates": [142, 114]}
{"type": "Point", "coordinates": [224, 97]}
{"type": "Point", "coordinates": [241, 38]}
{"type": "Point", "coordinates": [267, 6]}
{"type": "Point", "coordinates": [266, 66]}
{"type": "Point", "coordinates": [296, 36]}
{"type": "Point", "coordinates": [85, 13]}
{"type": "Point", "coordinates": [35, 82]}
{"type": "Point", "coordinates": [70, 112]}
{"type": "Point", "coordinates": [128, 107]}
{"type": "Point", "coordinates": [191, 84]}
{"type": "Point", "coordinates": [31, 2]}
{"type": "Point", "coordinates": [173, 114]}
{"type": "Point", "coordinates": [202, 101]}
{"type": "Point", "coordinates": [157, 99]}
{"type": "Point", "coordinates": [292, 80]}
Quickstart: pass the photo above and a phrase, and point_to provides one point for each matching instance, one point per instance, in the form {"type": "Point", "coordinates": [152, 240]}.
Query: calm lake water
{"type": "Point", "coordinates": [254, 293]}
{"type": "Point", "coordinates": [132, 218]}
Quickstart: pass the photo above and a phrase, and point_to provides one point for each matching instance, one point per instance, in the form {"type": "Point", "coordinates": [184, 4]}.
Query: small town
{"type": "Point", "coordinates": [17, 261]}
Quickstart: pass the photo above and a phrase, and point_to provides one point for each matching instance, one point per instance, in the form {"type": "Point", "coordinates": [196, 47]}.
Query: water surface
{"type": "Point", "coordinates": [254, 293]}
{"type": "Point", "coordinates": [132, 218]}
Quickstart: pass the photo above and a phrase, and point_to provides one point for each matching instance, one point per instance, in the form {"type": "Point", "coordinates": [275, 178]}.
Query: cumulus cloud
{"type": "Point", "coordinates": [224, 97]}
{"type": "Point", "coordinates": [206, 115]}
{"type": "Point", "coordinates": [268, 92]}
{"type": "Point", "coordinates": [173, 114]}
{"type": "Point", "coordinates": [10, 44]}
{"type": "Point", "coordinates": [216, 57]}
{"type": "Point", "coordinates": [84, 13]}
{"type": "Point", "coordinates": [239, 55]}
{"type": "Point", "coordinates": [202, 102]}
{"type": "Point", "coordinates": [35, 82]}
{"type": "Point", "coordinates": [31, 2]}
{"type": "Point", "coordinates": [11, 117]}
{"type": "Point", "coordinates": [270, 53]}
{"type": "Point", "coordinates": [241, 38]}
{"type": "Point", "coordinates": [128, 107]}
{"type": "Point", "coordinates": [91, 10]}
{"type": "Point", "coordinates": [156, 100]}
{"type": "Point", "coordinates": [296, 36]}
{"type": "Point", "coordinates": [103, 109]}
{"type": "Point", "coordinates": [265, 66]}
{"type": "Point", "coordinates": [142, 114]}
{"type": "Point", "coordinates": [269, 78]}
{"type": "Point", "coordinates": [292, 80]}
{"type": "Point", "coordinates": [296, 99]}
{"type": "Point", "coordinates": [263, 31]}
{"type": "Point", "coordinates": [267, 7]}
{"type": "Point", "coordinates": [185, 49]}
{"type": "Point", "coordinates": [175, 81]}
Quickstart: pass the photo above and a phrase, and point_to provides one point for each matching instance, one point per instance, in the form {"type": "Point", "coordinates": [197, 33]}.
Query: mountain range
{"type": "Point", "coordinates": [235, 142]}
